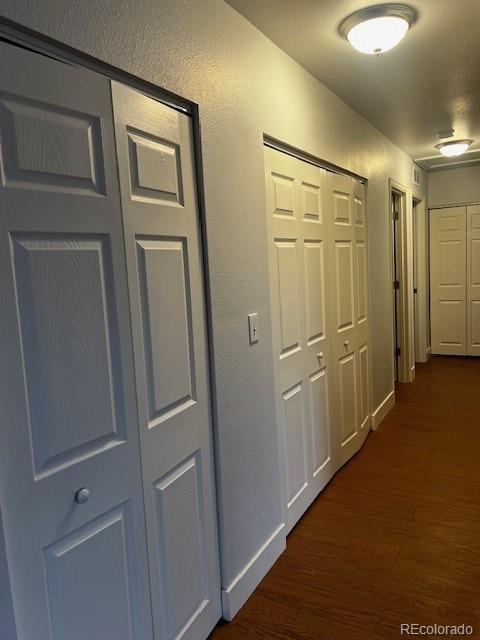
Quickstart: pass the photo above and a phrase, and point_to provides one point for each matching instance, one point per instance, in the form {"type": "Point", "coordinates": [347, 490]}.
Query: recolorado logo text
{"type": "Point", "coordinates": [412, 629]}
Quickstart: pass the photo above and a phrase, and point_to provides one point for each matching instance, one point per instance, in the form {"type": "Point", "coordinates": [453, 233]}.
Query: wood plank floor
{"type": "Point", "coordinates": [395, 537]}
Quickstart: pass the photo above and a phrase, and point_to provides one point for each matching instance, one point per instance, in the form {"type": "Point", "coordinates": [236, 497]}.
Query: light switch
{"type": "Point", "coordinates": [253, 328]}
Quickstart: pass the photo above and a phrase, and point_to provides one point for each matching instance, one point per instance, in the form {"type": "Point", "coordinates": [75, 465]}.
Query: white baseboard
{"type": "Point", "coordinates": [383, 409]}
{"type": "Point", "coordinates": [429, 353]}
{"type": "Point", "coordinates": [242, 587]}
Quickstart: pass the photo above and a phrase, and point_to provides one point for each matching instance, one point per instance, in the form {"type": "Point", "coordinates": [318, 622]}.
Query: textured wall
{"type": "Point", "coordinates": [245, 86]}
{"type": "Point", "coordinates": [454, 186]}
{"type": "Point", "coordinates": [7, 622]}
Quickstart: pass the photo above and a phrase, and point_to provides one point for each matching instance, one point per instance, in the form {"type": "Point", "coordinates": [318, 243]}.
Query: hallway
{"type": "Point", "coordinates": [394, 537]}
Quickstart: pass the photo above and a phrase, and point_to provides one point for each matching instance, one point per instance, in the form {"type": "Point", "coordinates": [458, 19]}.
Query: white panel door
{"type": "Point", "coordinates": [448, 290]}
{"type": "Point", "coordinates": [473, 280]}
{"type": "Point", "coordinates": [297, 239]}
{"type": "Point", "coordinates": [162, 235]}
{"type": "Point", "coordinates": [67, 390]}
{"type": "Point", "coordinates": [346, 214]}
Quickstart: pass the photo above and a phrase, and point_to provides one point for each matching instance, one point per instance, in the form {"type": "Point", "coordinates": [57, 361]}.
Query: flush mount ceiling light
{"type": "Point", "coordinates": [453, 148]}
{"type": "Point", "coordinates": [377, 29]}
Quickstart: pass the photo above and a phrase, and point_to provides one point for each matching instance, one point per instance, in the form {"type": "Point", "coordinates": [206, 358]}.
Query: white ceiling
{"type": "Point", "coordinates": [430, 82]}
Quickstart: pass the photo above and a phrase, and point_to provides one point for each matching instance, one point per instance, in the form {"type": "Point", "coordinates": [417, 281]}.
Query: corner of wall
{"type": "Point", "coordinates": [242, 587]}
{"type": "Point", "coordinates": [383, 410]}
{"type": "Point", "coordinates": [7, 619]}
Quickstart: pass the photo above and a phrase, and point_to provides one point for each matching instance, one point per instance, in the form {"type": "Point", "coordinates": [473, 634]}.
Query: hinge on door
{"type": "Point", "coordinates": [397, 351]}
{"type": "Point", "coordinates": [415, 290]}
{"type": "Point", "coordinates": [396, 284]}
{"type": "Point", "coordinates": [396, 215]}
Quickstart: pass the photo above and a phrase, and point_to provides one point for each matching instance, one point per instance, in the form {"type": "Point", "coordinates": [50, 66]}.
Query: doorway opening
{"type": "Point", "coordinates": [397, 351]}
{"type": "Point", "coordinates": [402, 284]}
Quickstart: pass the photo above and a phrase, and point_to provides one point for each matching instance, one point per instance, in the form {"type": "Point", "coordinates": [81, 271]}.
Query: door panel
{"type": "Point", "coordinates": [448, 280]}
{"type": "Point", "coordinates": [297, 473]}
{"type": "Point", "coordinates": [362, 308]}
{"type": "Point", "coordinates": [344, 282]}
{"type": "Point", "coordinates": [67, 399]}
{"type": "Point", "coordinates": [451, 265]}
{"type": "Point", "coordinates": [473, 280]}
{"type": "Point", "coordinates": [51, 148]}
{"type": "Point", "coordinates": [180, 536]}
{"type": "Point", "coordinates": [348, 397]}
{"type": "Point", "coordinates": [364, 386]}
{"type": "Point", "coordinates": [351, 370]}
{"type": "Point", "coordinates": [362, 282]}
{"type": "Point", "coordinates": [297, 237]}
{"type": "Point", "coordinates": [315, 290]}
{"type": "Point", "coordinates": [70, 339]}
{"type": "Point", "coordinates": [474, 341]}
{"type": "Point", "coordinates": [91, 567]}
{"type": "Point", "coordinates": [288, 294]}
{"type": "Point", "coordinates": [162, 240]}
{"type": "Point", "coordinates": [167, 330]}
{"type": "Point", "coordinates": [320, 416]}
{"type": "Point", "coordinates": [319, 289]}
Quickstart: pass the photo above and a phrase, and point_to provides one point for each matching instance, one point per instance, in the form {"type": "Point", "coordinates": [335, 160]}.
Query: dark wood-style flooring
{"type": "Point", "coordinates": [395, 537]}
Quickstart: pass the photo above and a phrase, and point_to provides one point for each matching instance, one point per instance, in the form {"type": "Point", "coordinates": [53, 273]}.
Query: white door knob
{"type": "Point", "coordinates": [320, 355]}
{"type": "Point", "coordinates": [345, 344]}
{"type": "Point", "coordinates": [82, 495]}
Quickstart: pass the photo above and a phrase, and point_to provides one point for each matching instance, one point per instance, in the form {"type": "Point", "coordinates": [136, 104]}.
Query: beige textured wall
{"type": "Point", "coordinates": [454, 186]}
{"type": "Point", "coordinates": [245, 87]}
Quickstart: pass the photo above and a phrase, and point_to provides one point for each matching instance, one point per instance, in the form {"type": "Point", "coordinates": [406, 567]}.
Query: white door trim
{"type": "Point", "coordinates": [422, 282]}
{"type": "Point", "coordinates": [406, 360]}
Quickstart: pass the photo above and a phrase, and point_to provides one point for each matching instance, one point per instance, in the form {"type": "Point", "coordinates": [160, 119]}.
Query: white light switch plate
{"type": "Point", "coordinates": [253, 328]}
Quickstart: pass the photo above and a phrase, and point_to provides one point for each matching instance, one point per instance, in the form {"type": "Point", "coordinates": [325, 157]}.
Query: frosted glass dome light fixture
{"type": "Point", "coordinates": [454, 148]}
{"type": "Point", "coordinates": [377, 29]}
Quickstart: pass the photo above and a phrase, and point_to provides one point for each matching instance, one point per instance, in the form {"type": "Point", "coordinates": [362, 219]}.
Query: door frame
{"type": "Point", "coordinates": [404, 262]}
{"type": "Point", "coordinates": [422, 281]}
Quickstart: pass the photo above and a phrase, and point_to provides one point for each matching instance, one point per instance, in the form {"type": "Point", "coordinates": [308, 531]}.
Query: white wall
{"type": "Point", "coordinates": [7, 622]}
{"type": "Point", "coordinates": [245, 87]}
{"type": "Point", "coordinates": [454, 186]}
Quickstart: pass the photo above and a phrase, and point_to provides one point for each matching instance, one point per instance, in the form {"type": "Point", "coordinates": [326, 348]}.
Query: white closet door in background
{"type": "Point", "coordinates": [473, 280]}
{"type": "Point", "coordinates": [67, 391]}
{"type": "Point", "coordinates": [348, 301]}
{"type": "Point", "coordinates": [163, 245]}
{"type": "Point", "coordinates": [448, 290]}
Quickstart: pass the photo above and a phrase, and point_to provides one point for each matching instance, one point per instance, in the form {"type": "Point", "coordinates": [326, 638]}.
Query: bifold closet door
{"type": "Point", "coordinates": [297, 238]}
{"type": "Point", "coordinates": [348, 298]}
{"type": "Point", "coordinates": [162, 236]}
{"type": "Point", "coordinates": [448, 280]}
{"type": "Point", "coordinates": [70, 475]}
{"type": "Point", "coordinates": [473, 280]}
{"type": "Point", "coordinates": [319, 289]}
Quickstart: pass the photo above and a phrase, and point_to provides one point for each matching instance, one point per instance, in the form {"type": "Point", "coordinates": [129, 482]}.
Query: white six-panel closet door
{"type": "Point", "coordinates": [319, 292]}
{"type": "Point", "coordinates": [70, 474]}
{"type": "Point", "coordinates": [348, 297]}
{"type": "Point", "coordinates": [162, 239]}
{"type": "Point", "coordinates": [448, 280]}
{"type": "Point", "coordinates": [297, 241]}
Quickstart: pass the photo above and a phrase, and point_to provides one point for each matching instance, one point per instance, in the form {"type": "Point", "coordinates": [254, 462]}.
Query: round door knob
{"type": "Point", "coordinates": [320, 355]}
{"type": "Point", "coordinates": [82, 495]}
{"type": "Point", "coordinates": [345, 344]}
